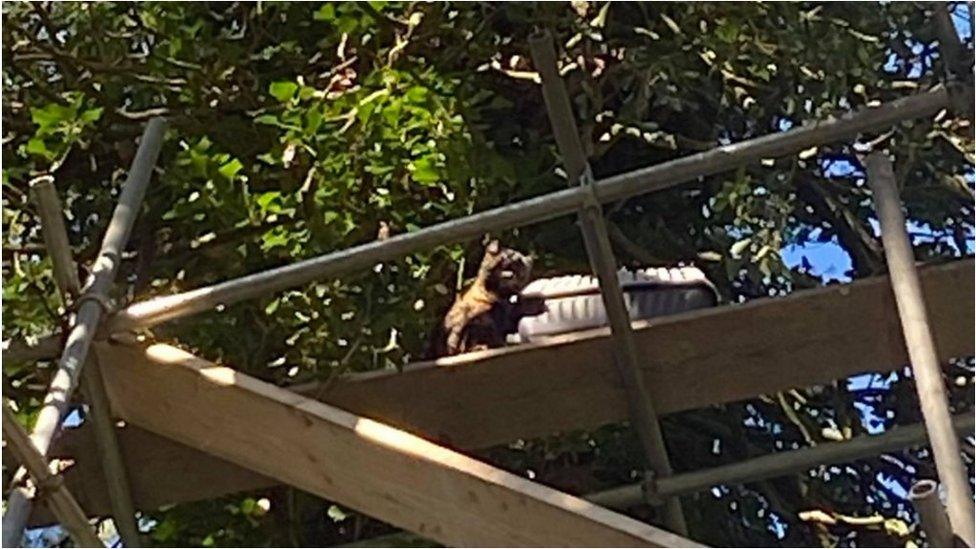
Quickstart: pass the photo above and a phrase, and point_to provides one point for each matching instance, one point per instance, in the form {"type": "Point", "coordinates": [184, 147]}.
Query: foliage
{"type": "Point", "coordinates": [300, 128]}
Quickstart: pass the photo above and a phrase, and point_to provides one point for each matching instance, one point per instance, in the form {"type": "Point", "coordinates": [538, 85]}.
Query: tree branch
{"type": "Point", "coordinates": [865, 251]}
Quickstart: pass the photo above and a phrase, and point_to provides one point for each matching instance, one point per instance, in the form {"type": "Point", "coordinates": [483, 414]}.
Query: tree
{"type": "Point", "coordinates": [300, 128]}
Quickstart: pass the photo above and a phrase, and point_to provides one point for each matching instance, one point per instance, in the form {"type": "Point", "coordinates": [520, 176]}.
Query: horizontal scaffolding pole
{"type": "Point", "coordinates": [781, 463]}
{"type": "Point", "coordinates": [527, 212]}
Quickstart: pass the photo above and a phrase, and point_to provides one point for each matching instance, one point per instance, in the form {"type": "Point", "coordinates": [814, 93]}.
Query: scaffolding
{"type": "Point", "coordinates": [231, 426]}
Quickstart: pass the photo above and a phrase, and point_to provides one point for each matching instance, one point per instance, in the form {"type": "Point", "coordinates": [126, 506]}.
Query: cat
{"type": "Point", "coordinates": [485, 312]}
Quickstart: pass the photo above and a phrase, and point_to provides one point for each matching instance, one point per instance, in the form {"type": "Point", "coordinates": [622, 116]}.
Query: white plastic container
{"type": "Point", "coordinates": [574, 302]}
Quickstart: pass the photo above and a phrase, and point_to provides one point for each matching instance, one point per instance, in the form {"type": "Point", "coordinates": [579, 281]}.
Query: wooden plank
{"type": "Point", "coordinates": [369, 466]}
{"type": "Point", "coordinates": [692, 360]}
{"type": "Point", "coordinates": [704, 357]}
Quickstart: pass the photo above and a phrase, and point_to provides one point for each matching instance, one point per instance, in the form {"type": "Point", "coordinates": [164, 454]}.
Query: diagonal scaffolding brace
{"type": "Point", "coordinates": [364, 464]}
{"type": "Point", "coordinates": [64, 506]}
{"type": "Point", "coordinates": [598, 248]}
{"type": "Point", "coordinates": [66, 276]}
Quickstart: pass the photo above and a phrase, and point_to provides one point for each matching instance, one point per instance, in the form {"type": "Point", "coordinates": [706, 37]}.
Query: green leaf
{"type": "Point", "coordinates": [199, 162]}
{"type": "Point", "coordinates": [325, 13]}
{"type": "Point", "coordinates": [424, 170]}
{"type": "Point", "coordinates": [347, 24]}
{"type": "Point", "coordinates": [313, 121]}
{"type": "Point", "coordinates": [268, 119]}
{"type": "Point", "coordinates": [91, 115]}
{"type": "Point", "coordinates": [417, 94]}
{"type": "Point", "coordinates": [270, 201]}
{"type": "Point", "coordinates": [272, 120]}
{"type": "Point", "coordinates": [274, 239]}
{"type": "Point", "coordinates": [727, 32]}
{"type": "Point", "coordinates": [230, 169]}
{"type": "Point", "coordinates": [283, 90]}
{"type": "Point", "coordinates": [392, 112]}
{"type": "Point", "coordinates": [37, 146]}
{"type": "Point", "coordinates": [50, 115]}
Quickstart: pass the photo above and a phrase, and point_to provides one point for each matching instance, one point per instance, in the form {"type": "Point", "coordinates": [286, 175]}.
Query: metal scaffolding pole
{"type": "Point", "coordinates": [780, 463]}
{"type": "Point", "coordinates": [598, 248]}
{"type": "Point", "coordinates": [66, 276]}
{"type": "Point", "coordinates": [64, 506]}
{"type": "Point", "coordinates": [777, 464]}
{"type": "Point", "coordinates": [958, 62]}
{"type": "Point", "coordinates": [56, 237]}
{"type": "Point", "coordinates": [921, 346]}
{"type": "Point", "coordinates": [526, 212]}
{"type": "Point", "coordinates": [924, 495]}
{"type": "Point", "coordinates": [92, 306]}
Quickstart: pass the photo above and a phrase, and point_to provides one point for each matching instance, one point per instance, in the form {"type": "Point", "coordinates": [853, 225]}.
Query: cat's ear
{"type": "Point", "coordinates": [493, 247]}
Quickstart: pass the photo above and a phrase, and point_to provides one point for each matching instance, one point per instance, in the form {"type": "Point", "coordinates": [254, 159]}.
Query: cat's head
{"type": "Point", "coordinates": [504, 271]}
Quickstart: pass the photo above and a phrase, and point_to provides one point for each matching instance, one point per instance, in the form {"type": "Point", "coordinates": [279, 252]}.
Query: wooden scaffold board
{"type": "Point", "coordinates": [382, 471]}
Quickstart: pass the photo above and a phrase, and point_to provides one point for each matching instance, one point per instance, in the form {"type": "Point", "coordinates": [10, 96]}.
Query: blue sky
{"type": "Point", "coordinates": [829, 260]}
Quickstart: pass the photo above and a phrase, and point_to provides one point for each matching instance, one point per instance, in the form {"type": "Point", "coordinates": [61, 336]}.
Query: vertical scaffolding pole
{"type": "Point", "coordinates": [958, 62]}
{"type": "Point", "coordinates": [924, 495]}
{"type": "Point", "coordinates": [921, 346]}
{"type": "Point", "coordinates": [598, 248]}
{"type": "Point", "coordinates": [116, 478]}
{"type": "Point", "coordinates": [92, 306]}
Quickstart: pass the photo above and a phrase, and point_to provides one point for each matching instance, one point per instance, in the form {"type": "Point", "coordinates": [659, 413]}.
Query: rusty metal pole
{"type": "Point", "coordinates": [921, 346]}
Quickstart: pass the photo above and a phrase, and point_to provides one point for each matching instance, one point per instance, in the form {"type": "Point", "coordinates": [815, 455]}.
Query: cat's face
{"type": "Point", "coordinates": [503, 270]}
